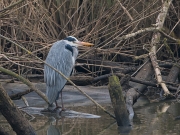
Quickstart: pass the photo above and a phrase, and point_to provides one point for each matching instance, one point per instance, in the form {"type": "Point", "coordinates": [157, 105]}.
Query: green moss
{"type": "Point", "coordinates": [115, 87]}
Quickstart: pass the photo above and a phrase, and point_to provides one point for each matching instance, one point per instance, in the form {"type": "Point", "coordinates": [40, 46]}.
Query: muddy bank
{"type": "Point", "coordinates": [71, 96]}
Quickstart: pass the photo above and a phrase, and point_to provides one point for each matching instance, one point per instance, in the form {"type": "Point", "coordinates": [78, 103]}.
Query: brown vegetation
{"type": "Point", "coordinates": [123, 34]}
{"type": "Point", "coordinates": [37, 24]}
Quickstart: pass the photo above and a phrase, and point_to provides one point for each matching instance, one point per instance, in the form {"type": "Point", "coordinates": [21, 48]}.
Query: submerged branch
{"type": "Point", "coordinates": [25, 81]}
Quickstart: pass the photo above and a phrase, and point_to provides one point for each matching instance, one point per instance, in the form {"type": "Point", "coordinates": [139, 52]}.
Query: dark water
{"type": "Point", "coordinates": [150, 119]}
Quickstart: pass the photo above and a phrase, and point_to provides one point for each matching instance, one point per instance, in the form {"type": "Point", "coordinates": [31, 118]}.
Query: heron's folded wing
{"type": "Point", "coordinates": [53, 57]}
{"type": "Point", "coordinates": [61, 59]}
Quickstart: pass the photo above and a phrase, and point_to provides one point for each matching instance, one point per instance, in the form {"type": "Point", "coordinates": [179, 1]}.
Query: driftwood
{"type": "Point", "coordinates": [13, 115]}
{"type": "Point", "coordinates": [173, 75]}
{"type": "Point", "coordinates": [134, 93]}
{"type": "Point", "coordinates": [132, 79]}
{"type": "Point", "coordinates": [81, 80]}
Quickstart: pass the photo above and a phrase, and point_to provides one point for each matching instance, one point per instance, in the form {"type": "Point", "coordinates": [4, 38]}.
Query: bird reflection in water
{"type": "Point", "coordinates": [53, 129]}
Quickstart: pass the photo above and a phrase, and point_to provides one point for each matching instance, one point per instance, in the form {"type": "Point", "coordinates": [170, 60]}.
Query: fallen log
{"type": "Point", "coordinates": [173, 75]}
{"type": "Point", "coordinates": [134, 79]}
{"type": "Point", "coordinates": [13, 115]}
{"type": "Point", "coordinates": [137, 89]}
{"type": "Point", "coordinates": [81, 80]}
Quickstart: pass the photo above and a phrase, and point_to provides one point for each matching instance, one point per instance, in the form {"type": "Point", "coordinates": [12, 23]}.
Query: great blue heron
{"type": "Point", "coordinates": [61, 56]}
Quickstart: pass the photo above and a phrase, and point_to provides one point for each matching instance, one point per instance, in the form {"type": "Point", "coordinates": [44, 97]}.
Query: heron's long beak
{"type": "Point", "coordinates": [84, 43]}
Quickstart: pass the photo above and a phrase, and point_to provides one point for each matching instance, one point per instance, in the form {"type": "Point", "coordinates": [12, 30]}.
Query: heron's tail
{"type": "Point", "coordinates": [52, 94]}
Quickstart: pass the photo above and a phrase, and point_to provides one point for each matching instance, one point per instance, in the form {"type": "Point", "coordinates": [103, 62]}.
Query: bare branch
{"type": "Point", "coordinates": [150, 29]}
{"type": "Point", "coordinates": [126, 11]}
{"type": "Point", "coordinates": [154, 42]}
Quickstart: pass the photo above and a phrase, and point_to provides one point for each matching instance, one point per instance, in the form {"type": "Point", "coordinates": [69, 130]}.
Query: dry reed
{"type": "Point", "coordinates": [36, 24]}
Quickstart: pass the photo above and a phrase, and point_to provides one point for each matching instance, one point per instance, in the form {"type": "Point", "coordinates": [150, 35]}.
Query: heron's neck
{"type": "Point", "coordinates": [75, 52]}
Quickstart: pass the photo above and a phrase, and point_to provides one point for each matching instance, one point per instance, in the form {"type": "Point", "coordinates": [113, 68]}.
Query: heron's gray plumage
{"type": "Point", "coordinates": [63, 60]}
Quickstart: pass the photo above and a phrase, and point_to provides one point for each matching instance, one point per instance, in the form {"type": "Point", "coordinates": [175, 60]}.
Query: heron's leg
{"type": "Point", "coordinates": [57, 123]}
{"type": "Point", "coordinates": [62, 102]}
{"type": "Point", "coordinates": [57, 106]}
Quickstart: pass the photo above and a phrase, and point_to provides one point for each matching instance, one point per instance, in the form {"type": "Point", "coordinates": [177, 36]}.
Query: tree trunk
{"type": "Point", "coordinates": [13, 115]}
{"type": "Point", "coordinates": [118, 102]}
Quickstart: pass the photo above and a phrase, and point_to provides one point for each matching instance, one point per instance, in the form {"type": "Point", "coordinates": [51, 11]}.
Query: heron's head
{"type": "Point", "coordinates": [74, 42]}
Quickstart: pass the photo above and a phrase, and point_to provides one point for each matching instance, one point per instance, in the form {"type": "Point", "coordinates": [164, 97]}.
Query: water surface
{"type": "Point", "coordinates": [150, 119]}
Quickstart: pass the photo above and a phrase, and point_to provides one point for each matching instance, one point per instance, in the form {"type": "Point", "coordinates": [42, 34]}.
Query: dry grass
{"type": "Point", "coordinates": [36, 24]}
